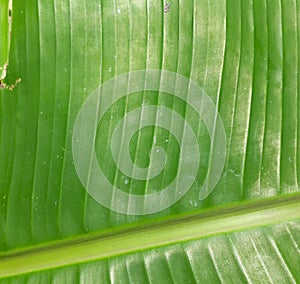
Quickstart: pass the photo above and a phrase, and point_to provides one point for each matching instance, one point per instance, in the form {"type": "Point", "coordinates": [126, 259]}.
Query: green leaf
{"type": "Point", "coordinates": [243, 54]}
{"type": "Point", "coordinates": [5, 36]}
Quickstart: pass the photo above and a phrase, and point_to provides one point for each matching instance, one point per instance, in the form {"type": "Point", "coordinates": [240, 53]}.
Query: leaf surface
{"type": "Point", "coordinates": [243, 54]}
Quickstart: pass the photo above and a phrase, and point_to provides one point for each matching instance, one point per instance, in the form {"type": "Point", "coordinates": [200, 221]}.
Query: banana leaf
{"type": "Point", "coordinates": [149, 141]}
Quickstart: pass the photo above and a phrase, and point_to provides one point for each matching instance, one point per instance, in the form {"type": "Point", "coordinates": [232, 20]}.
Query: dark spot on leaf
{"type": "Point", "coordinates": [167, 8]}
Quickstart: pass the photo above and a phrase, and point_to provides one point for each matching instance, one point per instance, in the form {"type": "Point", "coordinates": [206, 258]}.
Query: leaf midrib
{"type": "Point", "coordinates": [139, 237]}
